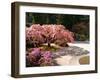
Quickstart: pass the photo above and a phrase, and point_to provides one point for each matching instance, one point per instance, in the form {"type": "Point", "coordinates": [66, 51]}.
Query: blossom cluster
{"type": "Point", "coordinates": [37, 57]}
{"type": "Point", "coordinates": [38, 34]}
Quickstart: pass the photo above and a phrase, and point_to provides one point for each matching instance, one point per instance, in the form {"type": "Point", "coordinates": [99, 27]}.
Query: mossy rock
{"type": "Point", "coordinates": [84, 60]}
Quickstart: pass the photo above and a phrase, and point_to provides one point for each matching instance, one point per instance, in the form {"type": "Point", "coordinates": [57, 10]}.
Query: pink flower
{"type": "Point", "coordinates": [38, 34]}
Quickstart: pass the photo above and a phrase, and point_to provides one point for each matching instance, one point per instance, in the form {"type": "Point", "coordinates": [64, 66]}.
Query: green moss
{"type": "Point", "coordinates": [51, 48]}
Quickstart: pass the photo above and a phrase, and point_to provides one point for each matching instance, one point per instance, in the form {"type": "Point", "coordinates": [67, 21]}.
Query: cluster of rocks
{"type": "Point", "coordinates": [71, 50]}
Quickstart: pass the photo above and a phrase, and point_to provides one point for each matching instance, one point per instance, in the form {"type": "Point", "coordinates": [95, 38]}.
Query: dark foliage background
{"type": "Point", "coordinates": [79, 24]}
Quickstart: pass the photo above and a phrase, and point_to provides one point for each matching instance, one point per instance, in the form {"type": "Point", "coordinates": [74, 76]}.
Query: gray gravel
{"type": "Point", "coordinates": [71, 50]}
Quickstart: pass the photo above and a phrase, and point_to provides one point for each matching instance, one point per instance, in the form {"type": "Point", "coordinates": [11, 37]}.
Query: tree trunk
{"type": "Point", "coordinates": [47, 19]}
{"type": "Point", "coordinates": [49, 44]}
{"type": "Point", "coordinates": [58, 19]}
{"type": "Point", "coordinates": [67, 45]}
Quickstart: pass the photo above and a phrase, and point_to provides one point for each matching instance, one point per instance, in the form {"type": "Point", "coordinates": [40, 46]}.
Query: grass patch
{"type": "Point", "coordinates": [51, 48]}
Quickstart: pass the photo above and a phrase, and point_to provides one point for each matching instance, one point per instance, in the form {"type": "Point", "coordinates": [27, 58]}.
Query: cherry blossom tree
{"type": "Point", "coordinates": [48, 34]}
{"type": "Point", "coordinates": [63, 36]}
{"type": "Point", "coordinates": [37, 34]}
{"type": "Point", "coordinates": [34, 35]}
{"type": "Point", "coordinates": [57, 34]}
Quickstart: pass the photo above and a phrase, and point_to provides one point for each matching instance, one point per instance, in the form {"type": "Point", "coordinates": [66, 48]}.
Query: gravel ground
{"type": "Point", "coordinates": [70, 55]}
{"type": "Point", "coordinates": [71, 50]}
